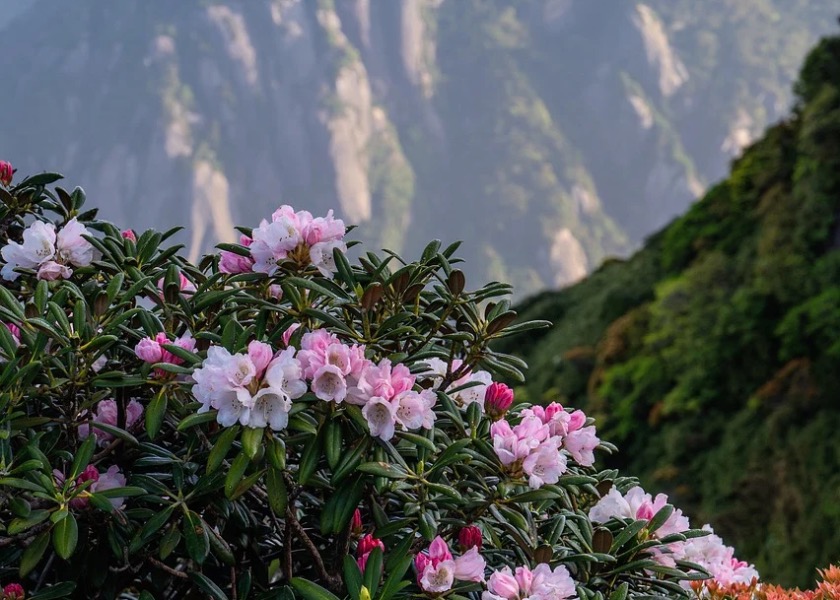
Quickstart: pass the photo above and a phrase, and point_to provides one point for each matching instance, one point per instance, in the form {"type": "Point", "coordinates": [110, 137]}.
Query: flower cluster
{"type": "Point", "coordinates": [294, 236]}
{"type": "Point", "coordinates": [255, 389]}
{"type": "Point", "coordinates": [437, 569]}
{"type": "Point", "coordinates": [541, 583]}
{"type": "Point", "coordinates": [101, 481]}
{"type": "Point", "coordinates": [49, 252]}
{"type": "Point", "coordinates": [13, 591]}
{"type": "Point", "coordinates": [535, 445]}
{"type": "Point", "coordinates": [827, 589]}
{"type": "Point", "coordinates": [151, 350]}
{"type": "Point", "coordinates": [107, 413]}
{"type": "Point", "coordinates": [709, 552]}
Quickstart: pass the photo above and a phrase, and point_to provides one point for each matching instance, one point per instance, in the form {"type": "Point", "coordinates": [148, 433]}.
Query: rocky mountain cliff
{"type": "Point", "coordinates": [549, 134]}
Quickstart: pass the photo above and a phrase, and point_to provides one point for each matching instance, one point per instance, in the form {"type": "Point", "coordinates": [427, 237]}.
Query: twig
{"type": "Point", "coordinates": [45, 571]}
{"type": "Point", "coordinates": [167, 568]}
{"type": "Point", "coordinates": [106, 450]}
{"type": "Point", "coordinates": [333, 581]}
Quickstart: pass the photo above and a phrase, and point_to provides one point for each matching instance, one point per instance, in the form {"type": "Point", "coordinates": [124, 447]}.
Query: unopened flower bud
{"type": "Point", "coordinates": [497, 400]}
{"type": "Point", "coordinates": [356, 526]}
{"type": "Point", "coordinates": [6, 174]}
{"type": "Point", "coordinates": [129, 235]}
{"type": "Point", "coordinates": [367, 545]}
{"type": "Point", "coordinates": [13, 591]}
{"type": "Point", "coordinates": [469, 537]}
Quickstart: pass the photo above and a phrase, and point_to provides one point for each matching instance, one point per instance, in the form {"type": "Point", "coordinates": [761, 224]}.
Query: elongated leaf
{"type": "Point", "coordinates": [65, 536]}
{"type": "Point", "coordinates": [207, 586]}
{"type": "Point", "coordinates": [311, 591]}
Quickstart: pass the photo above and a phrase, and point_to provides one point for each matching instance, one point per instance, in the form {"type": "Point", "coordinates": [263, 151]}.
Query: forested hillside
{"type": "Point", "coordinates": [712, 356]}
{"type": "Point", "coordinates": [547, 134]}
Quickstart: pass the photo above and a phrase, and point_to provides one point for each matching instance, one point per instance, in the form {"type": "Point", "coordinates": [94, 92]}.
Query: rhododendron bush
{"type": "Point", "coordinates": [277, 422]}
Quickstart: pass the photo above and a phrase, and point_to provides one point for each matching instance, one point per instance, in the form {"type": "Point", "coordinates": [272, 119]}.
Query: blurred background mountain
{"type": "Point", "coordinates": [711, 356]}
{"type": "Point", "coordinates": [549, 134]}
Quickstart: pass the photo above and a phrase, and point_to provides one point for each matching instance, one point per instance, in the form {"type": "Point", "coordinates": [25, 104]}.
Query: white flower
{"type": "Point", "coordinates": [271, 407]}
{"type": "Point", "coordinates": [284, 373]}
{"type": "Point", "coordinates": [440, 578]}
{"type": "Point", "coordinates": [329, 384]}
{"type": "Point", "coordinates": [611, 505]}
{"type": "Point", "coordinates": [414, 409]}
{"type": "Point", "coordinates": [71, 247]}
{"type": "Point", "coordinates": [37, 248]}
{"type": "Point", "coordinates": [272, 243]}
{"type": "Point", "coordinates": [321, 255]}
{"type": "Point", "coordinates": [381, 416]}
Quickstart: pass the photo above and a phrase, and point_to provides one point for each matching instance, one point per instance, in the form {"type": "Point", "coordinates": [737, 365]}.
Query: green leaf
{"type": "Point", "coordinates": [383, 469]}
{"type": "Point", "coordinates": [65, 536]}
{"type": "Point", "coordinates": [278, 495]}
{"type": "Point", "coordinates": [83, 456]}
{"type": "Point", "coordinates": [620, 592]}
{"type": "Point", "coordinates": [33, 518]}
{"type": "Point", "coordinates": [311, 591]}
{"type": "Point", "coordinates": [21, 484]}
{"type": "Point", "coordinates": [251, 440]}
{"type": "Point", "coordinates": [309, 459]}
{"type": "Point", "coordinates": [352, 577]}
{"type": "Point", "coordinates": [54, 592]}
{"type": "Point", "coordinates": [197, 419]}
{"type": "Point", "coordinates": [207, 585]}
{"type": "Point", "coordinates": [221, 447]}
{"type": "Point", "coordinates": [117, 433]}
{"type": "Point", "coordinates": [155, 413]}
{"type": "Point", "coordinates": [234, 475]}
{"type": "Point", "coordinates": [195, 534]}
{"type": "Point", "coordinates": [33, 553]}
{"type": "Point", "coordinates": [373, 571]}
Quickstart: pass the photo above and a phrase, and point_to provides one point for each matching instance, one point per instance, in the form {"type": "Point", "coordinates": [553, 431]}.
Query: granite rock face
{"type": "Point", "coordinates": [549, 134]}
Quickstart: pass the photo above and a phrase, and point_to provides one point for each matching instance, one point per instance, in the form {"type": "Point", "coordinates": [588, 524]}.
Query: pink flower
{"type": "Point", "coordinates": [233, 263]}
{"type": "Point", "coordinates": [15, 333]}
{"type": "Point", "coordinates": [437, 570]}
{"type": "Point", "coordinates": [272, 243]}
{"type": "Point", "coordinates": [13, 591]}
{"type": "Point", "coordinates": [581, 443]}
{"type": "Point", "coordinates": [545, 464]}
{"type": "Point", "coordinates": [52, 271]}
{"type": "Point", "coordinates": [328, 384]}
{"type": "Point", "coordinates": [382, 381]}
{"type": "Point", "coordinates": [110, 479]}
{"type": "Point", "coordinates": [148, 350]}
{"type": "Point", "coordinates": [552, 585]}
{"type": "Point", "coordinates": [107, 413]}
{"type": "Point", "coordinates": [414, 409]}
{"type": "Point", "coordinates": [540, 584]}
{"type": "Point", "coordinates": [129, 235]}
{"type": "Point", "coordinates": [260, 355]}
{"type": "Point", "coordinates": [381, 417]}
{"type": "Point", "coordinates": [6, 174]}
{"type": "Point", "coordinates": [468, 537]}
{"type": "Point", "coordinates": [323, 229]}
{"type": "Point", "coordinates": [287, 335]}
{"type": "Point", "coordinates": [498, 398]}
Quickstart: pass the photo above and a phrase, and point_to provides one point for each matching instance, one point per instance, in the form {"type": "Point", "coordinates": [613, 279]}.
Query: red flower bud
{"type": "Point", "coordinates": [367, 544]}
{"type": "Point", "coordinates": [356, 526]}
{"type": "Point", "coordinates": [468, 537]}
{"type": "Point", "coordinates": [6, 173]}
{"type": "Point", "coordinates": [497, 400]}
{"type": "Point", "coordinates": [129, 235]}
{"type": "Point", "coordinates": [13, 591]}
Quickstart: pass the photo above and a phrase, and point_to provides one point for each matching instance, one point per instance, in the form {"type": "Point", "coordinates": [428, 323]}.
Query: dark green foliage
{"type": "Point", "coordinates": [713, 352]}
